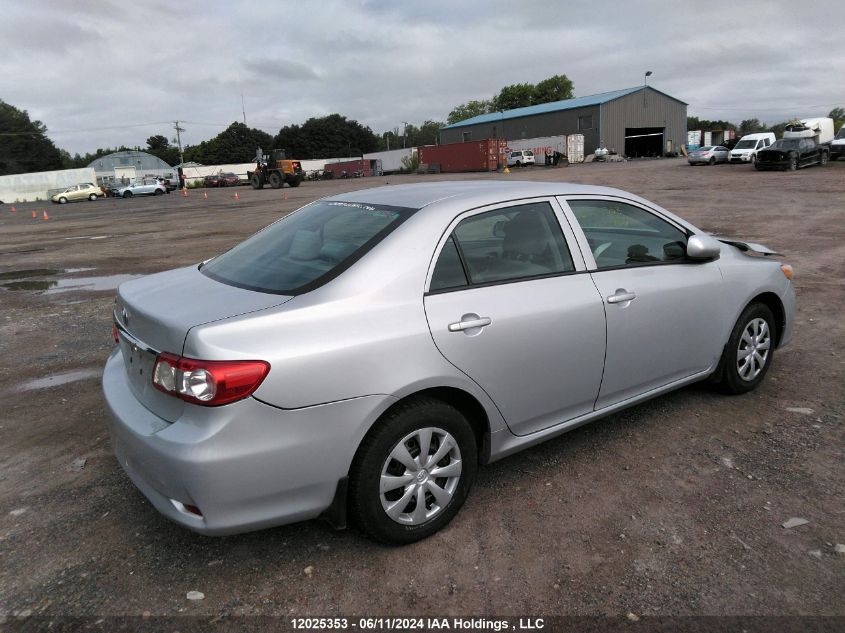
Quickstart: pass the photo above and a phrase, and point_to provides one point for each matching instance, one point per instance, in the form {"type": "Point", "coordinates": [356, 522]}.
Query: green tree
{"type": "Point", "coordinates": [750, 126]}
{"type": "Point", "coordinates": [327, 137]}
{"type": "Point", "coordinates": [556, 88]}
{"type": "Point", "coordinates": [24, 145]}
{"type": "Point", "coordinates": [514, 96]}
{"type": "Point", "coordinates": [838, 116]}
{"type": "Point", "coordinates": [236, 144]}
{"type": "Point", "coordinates": [470, 109]}
{"type": "Point", "coordinates": [158, 145]}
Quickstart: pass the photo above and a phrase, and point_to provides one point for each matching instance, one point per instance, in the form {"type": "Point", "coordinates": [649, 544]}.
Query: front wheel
{"type": "Point", "coordinates": [92, 197]}
{"type": "Point", "coordinates": [62, 200]}
{"type": "Point", "coordinates": [413, 472]}
{"type": "Point", "coordinates": [158, 192]}
{"type": "Point", "coordinates": [275, 180]}
{"type": "Point", "coordinates": [294, 182]}
{"type": "Point", "coordinates": [256, 181]}
{"type": "Point", "coordinates": [823, 159]}
{"type": "Point", "coordinates": [793, 163]}
{"type": "Point", "coordinates": [750, 350]}
{"type": "Point", "coordinates": [127, 194]}
{"type": "Point", "coordinates": [712, 160]}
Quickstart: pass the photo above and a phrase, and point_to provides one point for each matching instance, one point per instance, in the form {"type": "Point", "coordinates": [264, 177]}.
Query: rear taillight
{"type": "Point", "coordinates": [208, 382]}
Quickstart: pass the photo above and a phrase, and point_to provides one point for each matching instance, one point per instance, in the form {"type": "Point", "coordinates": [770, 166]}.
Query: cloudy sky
{"type": "Point", "coordinates": [102, 73]}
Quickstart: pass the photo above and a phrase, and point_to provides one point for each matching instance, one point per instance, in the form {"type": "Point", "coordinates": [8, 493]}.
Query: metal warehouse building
{"type": "Point", "coordinates": [636, 121]}
{"type": "Point", "coordinates": [131, 164]}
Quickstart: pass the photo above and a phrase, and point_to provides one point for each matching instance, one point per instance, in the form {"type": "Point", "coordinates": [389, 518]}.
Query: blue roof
{"type": "Point", "coordinates": [554, 106]}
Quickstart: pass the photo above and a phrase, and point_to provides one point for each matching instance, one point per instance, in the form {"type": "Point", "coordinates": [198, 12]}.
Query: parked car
{"type": "Point", "coordinates": [708, 155]}
{"type": "Point", "coordinates": [148, 188]}
{"type": "Point", "coordinates": [520, 158]}
{"type": "Point", "coordinates": [746, 150]}
{"type": "Point", "coordinates": [363, 355]}
{"type": "Point", "coordinates": [792, 153]}
{"type": "Point", "coordinates": [837, 146]}
{"type": "Point", "coordinates": [82, 191]}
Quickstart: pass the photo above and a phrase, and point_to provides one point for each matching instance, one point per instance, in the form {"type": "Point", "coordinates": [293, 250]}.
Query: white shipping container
{"type": "Point", "coordinates": [708, 139]}
{"type": "Point", "coordinates": [391, 161]}
{"type": "Point", "coordinates": [541, 146]}
{"type": "Point", "coordinates": [575, 148]}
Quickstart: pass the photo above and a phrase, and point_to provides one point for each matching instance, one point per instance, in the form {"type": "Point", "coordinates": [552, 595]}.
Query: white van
{"type": "Point", "coordinates": [746, 150]}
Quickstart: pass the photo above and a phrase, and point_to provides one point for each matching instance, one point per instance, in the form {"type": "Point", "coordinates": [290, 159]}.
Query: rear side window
{"type": "Point", "coordinates": [508, 244]}
{"type": "Point", "coordinates": [307, 248]}
{"type": "Point", "coordinates": [622, 235]}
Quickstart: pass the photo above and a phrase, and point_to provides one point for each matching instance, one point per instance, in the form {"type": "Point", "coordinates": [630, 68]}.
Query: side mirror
{"type": "Point", "coordinates": [703, 247]}
{"type": "Point", "coordinates": [499, 228]}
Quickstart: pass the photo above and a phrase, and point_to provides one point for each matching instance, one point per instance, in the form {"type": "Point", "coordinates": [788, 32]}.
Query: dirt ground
{"type": "Point", "coordinates": [673, 507]}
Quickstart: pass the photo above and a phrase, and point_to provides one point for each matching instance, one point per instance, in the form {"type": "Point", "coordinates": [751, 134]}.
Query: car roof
{"type": "Point", "coordinates": [470, 193]}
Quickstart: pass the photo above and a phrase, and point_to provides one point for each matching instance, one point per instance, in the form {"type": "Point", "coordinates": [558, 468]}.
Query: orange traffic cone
{"type": "Point", "coordinates": [46, 217]}
{"type": "Point", "coordinates": [184, 193]}
{"type": "Point", "coordinates": [34, 215]}
{"type": "Point", "coordinates": [205, 195]}
{"type": "Point", "coordinates": [13, 209]}
{"type": "Point", "coordinates": [285, 195]}
{"type": "Point", "coordinates": [236, 196]}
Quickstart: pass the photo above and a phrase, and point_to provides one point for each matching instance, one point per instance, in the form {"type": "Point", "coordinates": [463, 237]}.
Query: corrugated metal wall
{"type": "Point", "coordinates": [549, 124]}
{"type": "Point", "coordinates": [657, 110]}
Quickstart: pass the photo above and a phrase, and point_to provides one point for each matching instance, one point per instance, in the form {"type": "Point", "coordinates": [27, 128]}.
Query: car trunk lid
{"type": "Point", "coordinates": [155, 313]}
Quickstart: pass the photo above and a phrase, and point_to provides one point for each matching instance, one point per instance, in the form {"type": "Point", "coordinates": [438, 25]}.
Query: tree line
{"type": "Point", "coordinates": [25, 146]}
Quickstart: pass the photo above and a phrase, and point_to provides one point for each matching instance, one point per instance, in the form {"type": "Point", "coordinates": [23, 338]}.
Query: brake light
{"type": "Point", "coordinates": [210, 383]}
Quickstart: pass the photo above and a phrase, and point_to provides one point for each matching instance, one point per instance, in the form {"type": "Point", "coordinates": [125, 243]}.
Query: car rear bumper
{"type": "Point", "coordinates": [246, 465]}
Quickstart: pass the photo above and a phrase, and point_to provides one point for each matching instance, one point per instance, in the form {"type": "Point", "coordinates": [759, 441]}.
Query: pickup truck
{"type": "Point", "coordinates": [837, 145]}
{"type": "Point", "coordinates": [791, 154]}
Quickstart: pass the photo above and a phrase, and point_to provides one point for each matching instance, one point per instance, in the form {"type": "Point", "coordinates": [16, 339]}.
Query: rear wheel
{"type": "Point", "coordinates": [127, 194]}
{"type": "Point", "coordinates": [823, 159]}
{"type": "Point", "coordinates": [793, 163]}
{"type": "Point", "coordinates": [750, 350]}
{"type": "Point", "coordinates": [712, 160]}
{"type": "Point", "coordinates": [92, 197]}
{"type": "Point", "coordinates": [158, 192]}
{"type": "Point", "coordinates": [62, 200]}
{"type": "Point", "coordinates": [294, 182]}
{"type": "Point", "coordinates": [413, 472]}
{"type": "Point", "coordinates": [275, 180]}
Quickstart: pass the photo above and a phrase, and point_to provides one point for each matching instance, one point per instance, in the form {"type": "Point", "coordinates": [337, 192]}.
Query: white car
{"type": "Point", "coordinates": [745, 151]}
{"type": "Point", "coordinates": [520, 158]}
{"type": "Point", "coordinates": [837, 146]}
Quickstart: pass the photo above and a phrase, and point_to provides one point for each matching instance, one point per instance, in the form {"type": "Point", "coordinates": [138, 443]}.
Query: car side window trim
{"type": "Point", "coordinates": [570, 239]}
{"type": "Point", "coordinates": [584, 245]}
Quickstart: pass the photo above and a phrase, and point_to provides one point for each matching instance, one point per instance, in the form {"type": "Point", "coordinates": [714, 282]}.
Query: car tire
{"type": "Point", "coordinates": [127, 194]}
{"type": "Point", "coordinates": [92, 197]}
{"type": "Point", "coordinates": [712, 160]}
{"type": "Point", "coordinates": [793, 163]}
{"type": "Point", "coordinates": [256, 181]}
{"type": "Point", "coordinates": [295, 182]}
{"type": "Point", "coordinates": [743, 366]}
{"type": "Point", "coordinates": [62, 200]}
{"type": "Point", "coordinates": [754, 159]}
{"type": "Point", "coordinates": [517, 164]}
{"type": "Point", "coordinates": [158, 192]}
{"type": "Point", "coordinates": [275, 180]}
{"type": "Point", "coordinates": [401, 433]}
{"type": "Point", "coordinates": [823, 159]}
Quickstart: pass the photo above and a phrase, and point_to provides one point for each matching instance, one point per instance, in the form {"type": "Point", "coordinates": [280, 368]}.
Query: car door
{"type": "Point", "coordinates": [510, 304]}
{"type": "Point", "coordinates": [664, 312]}
{"type": "Point", "coordinates": [73, 193]}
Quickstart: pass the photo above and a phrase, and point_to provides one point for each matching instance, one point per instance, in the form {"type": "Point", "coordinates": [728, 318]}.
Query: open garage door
{"type": "Point", "coordinates": [643, 142]}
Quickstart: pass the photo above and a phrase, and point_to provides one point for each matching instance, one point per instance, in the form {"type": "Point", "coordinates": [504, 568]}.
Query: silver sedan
{"type": "Point", "coordinates": [708, 155]}
{"type": "Point", "coordinates": [361, 357]}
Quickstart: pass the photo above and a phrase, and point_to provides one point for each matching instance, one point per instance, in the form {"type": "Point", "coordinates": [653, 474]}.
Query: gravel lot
{"type": "Point", "coordinates": [674, 507]}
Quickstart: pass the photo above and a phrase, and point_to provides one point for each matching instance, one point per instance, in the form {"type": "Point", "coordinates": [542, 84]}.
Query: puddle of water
{"type": "Point", "coordinates": [91, 284]}
{"type": "Point", "coordinates": [31, 272]}
{"type": "Point", "coordinates": [59, 379]}
{"type": "Point", "coordinates": [30, 285]}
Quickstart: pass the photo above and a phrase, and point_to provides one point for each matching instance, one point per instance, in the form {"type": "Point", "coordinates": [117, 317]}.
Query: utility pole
{"type": "Point", "coordinates": [179, 131]}
{"type": "Point", "coordinates": [243, 109]}
{"type": "Point", "coordinates": [404, 130]}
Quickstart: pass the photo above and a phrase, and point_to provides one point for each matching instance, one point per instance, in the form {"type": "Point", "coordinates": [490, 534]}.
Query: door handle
{"type": "Point", "coordinates": [469, 323]}
{"type": "Point", "coordinates": [621, 296]}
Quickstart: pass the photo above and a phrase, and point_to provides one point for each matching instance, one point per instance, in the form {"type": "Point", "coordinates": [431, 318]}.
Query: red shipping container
{"type": "Point", "coordinates": [350, 167]}
{"type": "Point", "coordinates": [486, 155]}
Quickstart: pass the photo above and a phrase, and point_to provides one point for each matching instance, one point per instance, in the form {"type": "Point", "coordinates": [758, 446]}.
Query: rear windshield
{"type": "Point", "coordinates": [306, 248]}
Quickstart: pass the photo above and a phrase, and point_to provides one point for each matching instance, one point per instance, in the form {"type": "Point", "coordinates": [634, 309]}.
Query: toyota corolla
{"type": "Point", "coordinates": [361, 357]}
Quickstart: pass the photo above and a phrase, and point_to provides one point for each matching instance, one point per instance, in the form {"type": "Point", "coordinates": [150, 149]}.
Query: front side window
{"type": "Point", "coordinates": [519, 242]}
{"type": "Point", "coordinates": [622, 235]}
{"type": "Point", "coordinates": [306, 249]}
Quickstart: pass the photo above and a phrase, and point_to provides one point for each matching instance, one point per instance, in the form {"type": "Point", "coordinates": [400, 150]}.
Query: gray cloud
{"type": "Point", "coordinates": [90, 70]}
